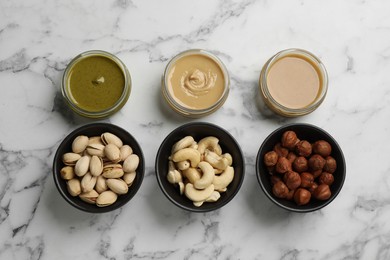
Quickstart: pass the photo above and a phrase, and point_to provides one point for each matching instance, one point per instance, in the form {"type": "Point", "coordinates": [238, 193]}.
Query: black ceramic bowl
{"type": "Point", "coordinates": [96, 129]}
{"type": "Point", "coordinates": [199, 130]}
{"type": "Point", "coordinates": [310, 133]}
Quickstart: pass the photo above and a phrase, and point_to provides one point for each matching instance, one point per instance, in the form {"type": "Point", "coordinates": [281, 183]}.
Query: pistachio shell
{"type": "Point", "coordinates": [88, 182]}
{"type": "Point", "coordinates": [117, 185]}
{"type": "Point", "coordinates": [112, 152]}
{"type": "Point", "coordinates": [112, 171]}
{"type": "Point", "coordinates": [131, 163]}
{"type": "Point", "coordinates": [106, 198]}
{"type": "Point", "coordinates": [109, 138]}
{"type": "Point", "coordinates": [67, 173]}
{"type": "Point", "coordinates": [96, 149]}
{"type": "Point", "coordinates": [125, 151]}
{"type": "Point", "coordinates": [129, 177]}
{"type": "Point", "coordinates": [82, 166]}
{"type": "Point", "coordinates": [79, 144]}
{"type": "Point", "coordinates": [96, 165]}
{"type": "Point", "coordinates": [74, 187]}
{"type": "Point", "coordinates": [95, 140]}
{"type": "Point", "coordinates": [89, 197]}
{"type": "Point", "coordinates": [70, 158]}
{"type": "Point", "coordinates": [101, 185]}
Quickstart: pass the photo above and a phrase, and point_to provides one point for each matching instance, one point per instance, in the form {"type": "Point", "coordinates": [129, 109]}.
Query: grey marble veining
{"type": "Point", "coordinates": [37, 40]}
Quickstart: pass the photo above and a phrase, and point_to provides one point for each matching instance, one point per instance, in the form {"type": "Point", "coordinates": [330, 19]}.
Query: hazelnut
{"type": "Point", "coordinates": [300, 164]}
{"type": "Point", "coordinates": [292, 180]}
{"type": "Point", "coordinates": [291, 157]}
{"type": "Point", "coordinates": [326, 178]}
{"type": "Point", "coordinates": [330, 164]}
{"type": "Point", "coordinates": [275, 179]}
{"type": "Point", "coordinates": [322, 192]}
{"type": "Point", "coordinates": [312, 187]}
{"type": "Point", "coordinates": [322, 148]}
{"type": "Point", "coordinates": [280, 190]}
{"type": "Point", "coordinates": [283, 165]}
{"type": "Point", "coordinates": [303, 148]}
{"type": "Point", "coordinates": [302, 196]}
{"type": "Point", "coordinates": [307, 179]}
{"type": "Point", "coordinates": [317, 173]}
{"type": "Point", "coordinates": [289, 140]}
{"type": "Point", "coordinates": [316, 162]}
{"type": "Point", "coordinates": [281, 151]}
{"type": "Point", "coordinates": [290, 195]}
{"type": "Point", "coordinates": [270, 158]}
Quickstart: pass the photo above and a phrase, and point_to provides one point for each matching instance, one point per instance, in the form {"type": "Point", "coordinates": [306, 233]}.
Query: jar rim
{"type": "Point", "coordinates": [189, 111]}
{"type": "Point", "coordinates": [280, 108]}
{"type": "Point", "coordinates": [104, 112]}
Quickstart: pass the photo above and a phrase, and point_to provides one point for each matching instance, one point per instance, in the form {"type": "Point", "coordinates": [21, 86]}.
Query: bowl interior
{"type": "Point", "coordinates": [310, 133]}
{"type": "Point", "coordinates": [97, 129]}
{"type": "Point", "coordinates": [199, 131]}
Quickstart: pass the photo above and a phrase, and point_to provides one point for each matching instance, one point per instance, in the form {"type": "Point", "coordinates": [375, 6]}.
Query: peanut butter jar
{"type": "Point", "coordinates": [96, 84]}
{"type": "Point", "coordinates": [293, 82]}
{"type": "Point", "coordinates": [195, 83]}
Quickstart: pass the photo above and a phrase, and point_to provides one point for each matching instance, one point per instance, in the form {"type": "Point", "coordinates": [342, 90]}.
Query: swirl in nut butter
{"type": "Point", "coordinates": [198, 82]}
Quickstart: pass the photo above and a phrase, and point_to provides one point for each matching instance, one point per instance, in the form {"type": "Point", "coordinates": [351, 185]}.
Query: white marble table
{"type": "Point", "coordinates": [38, 38]}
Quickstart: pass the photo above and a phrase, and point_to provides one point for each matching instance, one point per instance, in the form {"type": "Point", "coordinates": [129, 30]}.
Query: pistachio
{"type": "Point", "coordinates": [79, 144]}
{"type": "Point", "coordinates": [109, 138]}
{"type": "Point", "coordinates": [89, 197]}
{"type": "Point", "coordinates": [106, 198]}
{"type": "Point", "coordinates": [131, 163]}
{"type": "Point", "coordinates": [88, 182]}
{"type": "Point", "coordinates": [117, 185]}
{"type": "Point", "coordinates": [74, 187]}
{"type": "Point", "coordinates": [96, 149]}
{"type": "Point", "coordinates": [100, 185]}
{"type": "Point", "coordinates": [125, 151]}
{"type": "Point", "coordinates": [112, 153]}
{"type": "Point", "coordinates": [67, 173]}
{"type": "Point", "coordinates": [82, 166]}
{"type": "Point", "coordinates": [129, 178]}
{"type": "Point", "coordinates": [70, 158]}
{"type": "Point", "coordinates": [96, 165]}
{"type": "Point", "coordinates": [112, 171]}
{"type": "Point", "coordinates": [95, 140]}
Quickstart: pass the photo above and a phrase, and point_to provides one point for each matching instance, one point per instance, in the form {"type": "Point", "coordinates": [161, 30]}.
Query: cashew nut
{"type": "Point", "coordinates": [207, 176]}
{"type": "Point", "coordinates": [198, 203]}
{"type": "Point", "coordinates": [222, 181]}
{"type": "Point", "coordinates": [187, 154]}
{"type": "Point", "coordinates": [214, 196]}
{"type": "Point", "coordinates": [183, 143]}
{"type": "Point", "coordinates": [181, 188]}
{"type": "Point", "coordinates": [229, 158]}
{"type": "Point", "coordinates": [210, 143]}
{"type": "Point", "coordinates": [173, 175]}
{"type": "Point", "coordinates": [198, 195]}
{"type": "Point", "coordinates": [215, 160]}
{"type": "Point", "coordinates": [192, 174]}
{"type": "Point", "coordinates": [183, 165]}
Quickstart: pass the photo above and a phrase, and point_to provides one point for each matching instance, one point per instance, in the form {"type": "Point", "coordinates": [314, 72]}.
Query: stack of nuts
{"type": "Point", "coordinates": [300, 170]}
{"type": "Point", "coordinates": [200, 169]}
{"type": "Point", "coordinates": [99, 168]}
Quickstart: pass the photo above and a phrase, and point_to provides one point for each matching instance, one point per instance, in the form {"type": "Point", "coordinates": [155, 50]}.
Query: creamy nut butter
{"type": "Point", "coordinates": [195, 83]}
{"type": "Point", "coordinates": [96, 84]}
{"type": "Point", "coordinates": [293, 82]}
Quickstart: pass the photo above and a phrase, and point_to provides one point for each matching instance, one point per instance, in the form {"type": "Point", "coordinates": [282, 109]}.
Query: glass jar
{"type": "Point", "coordinates": [96, 84]}
{"type": "Point", "coordinates": [293, 83]}
{"type": "Point", "coordinates": [195, 83]}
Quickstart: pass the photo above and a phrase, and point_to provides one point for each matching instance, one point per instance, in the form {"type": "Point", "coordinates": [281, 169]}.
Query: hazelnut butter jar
{"type": "Point", "coordinates": [195, 83]}
{"type": "Point", "coordinates": [293, 83]}
{"type": "Point", "coordinates": [96, 84]}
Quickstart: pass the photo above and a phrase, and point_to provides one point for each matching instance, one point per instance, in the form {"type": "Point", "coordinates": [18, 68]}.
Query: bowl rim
{"type": "Point", "coordinates": [216, 205]}
{"type": "Point", "coordinates": [57, 178]}
{"type": "Point", "coordinates": [276, 200]}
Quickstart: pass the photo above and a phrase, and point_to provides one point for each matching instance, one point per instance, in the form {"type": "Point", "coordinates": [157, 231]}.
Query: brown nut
{"type": "Point", "coordinates": [270, 158]}
{"type": "Point", "coordinates": [303, 148]}
{"type": "Point", "coordinates": [283, 165]}
{"type": "Point", "coordinates": [326, 178]}
{"type": "Point", "coordinates": [291, 156]}
{"type": "Point", "coordinates": [290, 195]}
{"type": "Point", "coordinates": [275, 179]}
{"type": "Point", "coordinates": [302, 196]}
{"type": "Point", "coordinates": [280, 190]}
{"type": "Point", "coordinates": [300, 164]}
{"type": "Point", "coordinates": [281, 151]}
{"type": "Point", "coordinates": [316, 162]}
{"type": "Point", "coordinates": [330, 164]}
{"type": "Point", "coordinates": [322, 148]}
{"type": "Point", "coordinates": [307, 179]}
{"type": "Point", "coordinates": [316, 174]}
{"type": "Point", "coordinates": [289, 140]}
{"type": "Point", "coordinates": [292, 180]}
{"type": "Point", "coordinates": [312, 187]}
{"type": "Point", "coordinates": [322, 192]}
